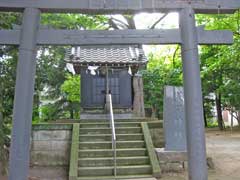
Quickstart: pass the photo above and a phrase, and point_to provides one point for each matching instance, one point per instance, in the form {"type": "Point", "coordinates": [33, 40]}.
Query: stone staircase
{"type": "Point", "coordinates": [92, 155]}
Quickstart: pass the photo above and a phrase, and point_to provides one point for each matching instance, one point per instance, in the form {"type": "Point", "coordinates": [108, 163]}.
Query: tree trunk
{"type": "Point", "coordinates": [2, 151]}
{"type": "Point", "coordinates": [71, 111]}
{"type": "Point", "coordinates": [219, 111]}
{"type": "Point", "coordinates": [238, 118]}
{"type": "Point", "coordinates": [231, 119]}
{"type": "Point", "coordinates": [154, 112]}
{"type": "Point", "coordinates": [205, 117]}
{"type": "Point", "coordinates": [36, 113]}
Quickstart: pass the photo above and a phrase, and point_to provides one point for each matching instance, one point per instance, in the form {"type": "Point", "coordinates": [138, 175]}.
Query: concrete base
{"type": "Point", "coordinates": [172, 161]}
{"type": "Point", "coordinates": [176, 161]}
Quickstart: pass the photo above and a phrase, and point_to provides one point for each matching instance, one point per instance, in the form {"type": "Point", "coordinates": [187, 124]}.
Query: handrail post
{"type": "Point", "coordinates": [112, 125]}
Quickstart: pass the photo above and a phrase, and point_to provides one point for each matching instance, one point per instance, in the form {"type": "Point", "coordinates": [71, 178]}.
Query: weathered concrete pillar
{"type": "Point", "coordinates": [196, 146]}
{"type": "Point", "coordinates": [23, 102]}
{"type": "Point", "coordinates": [138, 103]}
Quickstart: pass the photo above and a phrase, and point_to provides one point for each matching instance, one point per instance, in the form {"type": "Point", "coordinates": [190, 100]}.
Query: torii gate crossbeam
{"type": "Point", "coordinates": [188, 36]}
{"type": "Point", "coordinates": [121, 6]}
{"type": "Point", "coordinates": [105, 37]}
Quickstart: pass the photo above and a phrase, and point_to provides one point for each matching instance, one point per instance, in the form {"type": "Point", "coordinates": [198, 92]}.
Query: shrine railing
{"type": "Point", "coordinates": [112, 125]}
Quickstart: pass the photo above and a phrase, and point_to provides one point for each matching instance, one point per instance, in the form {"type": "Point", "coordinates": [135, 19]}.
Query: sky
{"type": "Point", "coordinates": [145, 20]}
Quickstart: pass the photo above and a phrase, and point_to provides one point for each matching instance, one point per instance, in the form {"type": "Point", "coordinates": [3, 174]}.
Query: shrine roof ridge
{"type": "Point", "coordinates": [112, 54]}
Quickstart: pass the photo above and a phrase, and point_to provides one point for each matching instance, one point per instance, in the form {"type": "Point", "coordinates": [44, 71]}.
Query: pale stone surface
{"type": "Point", "coordinates": [124, 115]}
{"type": "Point", "coordinates": [48, 173]}
{"type": "Point", "coordinates": [176, 161]}
{"type": "Point", "coordinates": [174, 119]}
{"type": "Point", "coordinates": [171, 156]}
{"type": "Point", "coordinates": [176, 167]}
{"type": "Point", "coordinates": [51, 158]}
{"type": "Point", "coordinates": [51, 135]}
{"type": "Point", "coordinates": [41, 145]}
{"type": "Point", "coordinates": [157, 137]}
{"type": "Point", "coordinates": [171, 161]}
{"type": "Point", "coordinates": [50, 147]}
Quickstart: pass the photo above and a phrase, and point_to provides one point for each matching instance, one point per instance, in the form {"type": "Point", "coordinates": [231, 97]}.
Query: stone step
{"type": "Point", "coordinates": [108, 170]}
{"type": "Point", "coordinates": [106, 120]}
{"type": "Point", "coordinates": [83, 153]}
{"type": "Point", "coordinates": [129, 177]}
{"type": "Point", "coordinates": [121, 161]}
{"type": "Point", "coordinates": [108, 144]}
{"type": "Point", "coordinates": [108, 137]}
{"type": "Point", "coordinates": [106, 124]}
{"type": "Point", "coordinates": [107, 130]}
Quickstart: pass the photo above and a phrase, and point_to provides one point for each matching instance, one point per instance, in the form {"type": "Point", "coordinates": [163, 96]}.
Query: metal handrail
{"type": "Point", "coordinates": [112, 125]}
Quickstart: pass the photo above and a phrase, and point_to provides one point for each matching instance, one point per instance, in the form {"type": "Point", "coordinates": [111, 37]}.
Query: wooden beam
{"type": "Point", "coordinates": [121, 6]}
{"type": "Point", "coordinates": [98, 37]}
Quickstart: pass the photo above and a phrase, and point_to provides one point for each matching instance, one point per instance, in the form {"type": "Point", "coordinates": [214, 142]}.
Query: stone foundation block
{"type": "Point", "coordinates": [171, 161]}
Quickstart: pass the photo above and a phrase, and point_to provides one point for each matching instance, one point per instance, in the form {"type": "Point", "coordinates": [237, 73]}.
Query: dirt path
{"type": "Point", "coordinates": [224, 148]}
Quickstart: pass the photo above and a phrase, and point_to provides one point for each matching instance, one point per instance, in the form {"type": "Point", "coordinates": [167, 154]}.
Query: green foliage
{"type": "Point", "coordinates": [220, 65]}
{"type": "Point", "coordinates": [71, 88]}
{"type": "Point", "coordinates": [212, 123]}
{"type": "Point", "coordinates": [48, 112]}
{"type": "Point", "coordinates": [74, 21]}
{"type": "Point", "coordinates": [50, 75]}
{"type": "Point", "coordinates": [61, 97]}
{"type": "Point", "coordinates": [162, 70]}
{"type": "Point", "coordinates": [8, 55]}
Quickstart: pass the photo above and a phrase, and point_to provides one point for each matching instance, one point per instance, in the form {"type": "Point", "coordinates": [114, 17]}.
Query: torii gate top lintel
{"type": "Point", "coordinates": [121, 6]}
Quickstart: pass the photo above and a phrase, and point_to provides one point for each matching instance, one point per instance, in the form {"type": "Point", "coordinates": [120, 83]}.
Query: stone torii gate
{"type": "Point", "coordinates": [188, 35]}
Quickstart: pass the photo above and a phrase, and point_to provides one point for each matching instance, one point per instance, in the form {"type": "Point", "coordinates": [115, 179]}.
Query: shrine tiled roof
{"type": "Point", "coordinates": [114, 54]}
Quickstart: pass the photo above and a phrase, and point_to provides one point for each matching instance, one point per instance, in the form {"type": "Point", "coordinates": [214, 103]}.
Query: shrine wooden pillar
{"type": "Point", "coordinates": [23, 102]}
{"type": "Point", "coordinates": [138, 101]}
{"type": "Point", "coordinates": [195, 131]}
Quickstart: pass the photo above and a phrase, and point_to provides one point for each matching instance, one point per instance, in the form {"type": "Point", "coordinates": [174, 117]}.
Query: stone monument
{"type": "Point", "coordinates": [174, 155]}
{"type": "Point", "coordinates": [174, 119]}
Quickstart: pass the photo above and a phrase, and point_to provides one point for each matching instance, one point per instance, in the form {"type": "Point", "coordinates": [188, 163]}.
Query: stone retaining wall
{"type": "Point", "coordinates": [50, 151]}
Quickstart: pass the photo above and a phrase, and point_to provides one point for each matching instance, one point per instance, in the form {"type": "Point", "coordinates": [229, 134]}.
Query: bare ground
{"type": "Point", "coordinates": [224, 149]}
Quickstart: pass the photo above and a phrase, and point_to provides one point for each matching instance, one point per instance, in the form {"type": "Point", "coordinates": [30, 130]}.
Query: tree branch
{"type": "Point", "coordinates": [121, 23]}
{"type": "Point", "coordinates": [112, 24]}
{"type": "Point", "coordinates": [130, 21]}
{"type": "Point", "coordinates": [158, 21]}
{"type": "Point", "coordinates": [174, 55]}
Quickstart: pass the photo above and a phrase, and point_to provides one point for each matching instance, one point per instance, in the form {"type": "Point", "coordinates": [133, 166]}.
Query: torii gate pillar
{"type": "Point", "coordinates": [23, 102]}
{"type": "Point", "coordinates": [193, 97]}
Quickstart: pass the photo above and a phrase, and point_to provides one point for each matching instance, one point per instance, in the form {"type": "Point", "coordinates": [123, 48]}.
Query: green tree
{"type": "Point", "coordinates": [162, 70]}
{"type": "Point", "coordinates": [71, 90]}
{"type": "Point", "coordinates": [8, 61]}
{"type": "Point", "coordinates": [220, 65]}
{"type": "Point", "coordinates": [51, 67]}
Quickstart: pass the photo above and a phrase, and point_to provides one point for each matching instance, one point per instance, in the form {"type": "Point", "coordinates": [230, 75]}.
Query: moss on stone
{"type": "Point", "coordinates": [46, 126]}
{"type": "Point", "coordinates": [151, 150]}
{"type": "Point", "coordinates": [73, 171]}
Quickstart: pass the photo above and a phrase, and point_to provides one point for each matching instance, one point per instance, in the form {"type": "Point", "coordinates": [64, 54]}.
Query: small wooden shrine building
{"type": "Point", "coordinates": [110, 69]}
